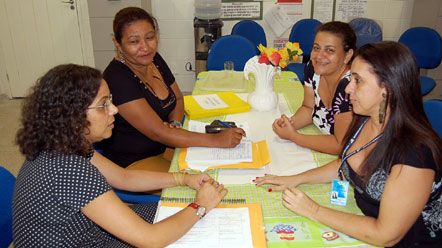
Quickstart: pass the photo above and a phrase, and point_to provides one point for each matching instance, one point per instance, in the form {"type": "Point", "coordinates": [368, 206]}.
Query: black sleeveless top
{"type": "Point", "coordinates": [127, 144]}
{"type": "Point", "coordinates": [426, 231]}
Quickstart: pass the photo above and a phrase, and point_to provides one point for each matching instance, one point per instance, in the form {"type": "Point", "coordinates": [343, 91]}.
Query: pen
{"type": "Point", "coordinates": [224, 124]}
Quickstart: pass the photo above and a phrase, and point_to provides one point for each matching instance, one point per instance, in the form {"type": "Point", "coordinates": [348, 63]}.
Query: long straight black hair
{"type": "Point", "coordinates": [408, 127]}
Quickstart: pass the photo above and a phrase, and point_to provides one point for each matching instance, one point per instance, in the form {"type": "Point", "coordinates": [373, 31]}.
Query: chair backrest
{"type": "Point", "coordinates": [433, 110]}
{"type": "Point", "coordinates": [426, 45]}
{"type": "Point", "coordinates": [230, 48]}
{"type": "Point", "coordinates": [7, 182]}
{"type": "Point", "coordinates": [252, 31]}
{"type": "Point", "coordinates": [366, 30]}
{"type": "Point", "coordinates": [303, 31]}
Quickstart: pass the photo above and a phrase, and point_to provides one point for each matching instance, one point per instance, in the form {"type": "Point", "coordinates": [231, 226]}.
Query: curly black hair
{"type": "Point", "coordinates": [54, 113]}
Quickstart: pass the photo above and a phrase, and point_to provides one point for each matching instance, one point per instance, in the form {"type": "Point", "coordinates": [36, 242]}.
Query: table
{"type": "Point", "coordinates": [304, 232]}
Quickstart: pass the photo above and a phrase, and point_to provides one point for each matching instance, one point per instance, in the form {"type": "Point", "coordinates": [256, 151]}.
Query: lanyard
{"type": "Point", "coordinates": [352, 140]}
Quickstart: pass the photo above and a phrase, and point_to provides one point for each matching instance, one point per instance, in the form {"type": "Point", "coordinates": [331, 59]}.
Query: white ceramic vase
{"type": "Point", "coordinates": [264, 97]}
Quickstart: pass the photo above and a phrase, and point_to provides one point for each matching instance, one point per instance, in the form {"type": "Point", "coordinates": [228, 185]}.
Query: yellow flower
{"type": "Point", "coordinates": [282, 57]}
{"type": "Point", "coordinates": [293, 46]}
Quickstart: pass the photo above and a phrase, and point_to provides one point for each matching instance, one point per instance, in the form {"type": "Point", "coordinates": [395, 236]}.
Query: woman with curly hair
{"type": "Point", "coordinates": [63, 195]}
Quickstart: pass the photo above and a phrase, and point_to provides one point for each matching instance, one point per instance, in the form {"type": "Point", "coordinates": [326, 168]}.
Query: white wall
{"type": "Point", "coordinates": [175, 18]}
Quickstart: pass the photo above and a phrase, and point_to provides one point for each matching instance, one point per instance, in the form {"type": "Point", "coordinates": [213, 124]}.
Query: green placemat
{"type": "Point", "coordinates": [273, 210]}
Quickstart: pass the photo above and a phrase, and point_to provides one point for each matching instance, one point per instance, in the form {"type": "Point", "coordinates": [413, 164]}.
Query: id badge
{"type": "Point", "coordinates": [339, 192]}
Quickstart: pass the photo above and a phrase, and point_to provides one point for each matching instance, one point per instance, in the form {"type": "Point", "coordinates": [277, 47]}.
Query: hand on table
{"type": "Point", "coordinates": [298, 202]}
{"type": "Point", "coordinates": [195, 181]}
{"type": "Point", "coordinates": [230, 137]}
{"type": "Point", "coordinates": [280, 182]}
{"type": "Point", "coordinates": [210, 194]}
{"type": "Point", "coordinates": [283, 127]}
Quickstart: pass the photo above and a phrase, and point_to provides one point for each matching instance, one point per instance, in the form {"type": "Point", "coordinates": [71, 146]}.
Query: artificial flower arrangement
{"type": "Point", "coordinates": [282, 57]}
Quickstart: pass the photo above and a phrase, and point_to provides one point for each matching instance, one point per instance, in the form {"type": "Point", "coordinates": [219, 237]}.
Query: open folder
{"type": "Point", "coordinates": [260, 155]}
{"type": "Point", "coordinates": [222, 103]}
{"type": "Point", "coordinates": [222, 215]}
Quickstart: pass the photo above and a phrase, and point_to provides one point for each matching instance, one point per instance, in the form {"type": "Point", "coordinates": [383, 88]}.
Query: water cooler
{"type": "Point", "coordinates": [207, 28]}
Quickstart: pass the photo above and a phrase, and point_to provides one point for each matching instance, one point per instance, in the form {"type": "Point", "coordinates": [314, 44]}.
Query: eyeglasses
{"type": "Point", "coordinates": [107, 103]}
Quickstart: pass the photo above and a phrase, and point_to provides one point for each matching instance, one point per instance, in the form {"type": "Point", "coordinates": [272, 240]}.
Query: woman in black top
{"type": "Point", "coordinates": [149, 100]}
{"type": "Point", "coordinates": [64, 192]}
{"type": "Point", "coordinates": [392, 157]}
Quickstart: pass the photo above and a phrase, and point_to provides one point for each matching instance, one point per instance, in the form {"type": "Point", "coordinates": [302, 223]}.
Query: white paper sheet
{"type": "Point", "coordinates": [211, 101]}
{"type": "Point", "coordinates": [287, 158]}
{"type": "Point", "coordinates": [221, 227]}
{"type": "Point", "coordinates": [200, 158]}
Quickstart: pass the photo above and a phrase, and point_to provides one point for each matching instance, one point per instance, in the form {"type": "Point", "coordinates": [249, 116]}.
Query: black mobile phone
{"type": "Point", "coordinates": [216, 126]}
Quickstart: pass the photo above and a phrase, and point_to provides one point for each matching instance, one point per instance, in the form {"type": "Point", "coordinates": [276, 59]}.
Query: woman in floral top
{"type": "Point", "coordinates": [325, 102]}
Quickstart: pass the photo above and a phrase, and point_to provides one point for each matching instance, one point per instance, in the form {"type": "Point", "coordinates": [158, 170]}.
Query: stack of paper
{"type": "Point", "coordinates": [246, 155]}
{"type": "Point", "coordinates": [203, 157]}
{"type": "Point", "coordinates": [234, 225]}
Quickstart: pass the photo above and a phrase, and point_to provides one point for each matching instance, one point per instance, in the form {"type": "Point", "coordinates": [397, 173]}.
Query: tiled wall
{"type": "Point", "coordinates": [175, 18]}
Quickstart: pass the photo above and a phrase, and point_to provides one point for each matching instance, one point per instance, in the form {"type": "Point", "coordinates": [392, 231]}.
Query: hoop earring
{"type": "Point", "coordinates": [382, 108]}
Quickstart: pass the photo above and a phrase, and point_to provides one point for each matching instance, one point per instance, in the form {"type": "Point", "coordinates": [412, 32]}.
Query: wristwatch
{"type": "Point", "coordinates": [176, 123]}
{"type": "Point", "coordinates": [200, 210]}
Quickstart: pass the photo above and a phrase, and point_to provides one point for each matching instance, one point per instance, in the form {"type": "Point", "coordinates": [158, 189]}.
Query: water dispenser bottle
{"type": "Point", "coordinates": [207, 28]}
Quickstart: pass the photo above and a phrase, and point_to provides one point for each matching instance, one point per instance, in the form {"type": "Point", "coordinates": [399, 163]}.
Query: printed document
{"type": "Point", "coordinates": [221, 227]}
{"type": "Point", "coordinates": [202, 157]}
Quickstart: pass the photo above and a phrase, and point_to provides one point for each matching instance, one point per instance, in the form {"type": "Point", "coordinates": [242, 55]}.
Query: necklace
{"type": "Point", "coordinates": [143, 81]}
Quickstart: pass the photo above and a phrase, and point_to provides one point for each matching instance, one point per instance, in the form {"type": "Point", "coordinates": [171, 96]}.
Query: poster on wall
{"type": "Point", "coordinates": [241, 9]}
{"type": "Point", "coordinates": [323, 10]}
{"type": "Point", "coordinates": [281, 17]}
{"type": "Point", "coordinates": [346, 10]}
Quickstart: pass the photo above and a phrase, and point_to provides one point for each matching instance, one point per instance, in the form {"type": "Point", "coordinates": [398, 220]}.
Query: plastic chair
{"type": "Point", "coordinates": [131, 197]}
{"type": "Point", "coordinates": [252, 31]}
{"type": "Point", "coordinates": [367, 31]}
{"type": "Point", "coordinates": [426, 45]}
{"type": "Point", "coordinates": [303, 32]}
{"type": "Point", "coordinates": [230, 48]}
{"type": "Point", "coordinates": [7, 182]}
{"type": "Point", "coordinates": [433, 109]}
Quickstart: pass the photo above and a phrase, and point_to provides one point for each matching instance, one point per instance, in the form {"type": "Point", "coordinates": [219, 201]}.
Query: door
{"type": "Point", "coordinates": [36, 36]}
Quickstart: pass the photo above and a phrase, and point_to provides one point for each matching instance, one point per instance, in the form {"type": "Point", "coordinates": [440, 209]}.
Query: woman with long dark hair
{"type": "Point", "coordinates": [392, 157]}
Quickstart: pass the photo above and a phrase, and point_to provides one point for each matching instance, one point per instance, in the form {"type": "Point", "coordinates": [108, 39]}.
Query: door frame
{"type": "Point", "coordinates": [8, 67]}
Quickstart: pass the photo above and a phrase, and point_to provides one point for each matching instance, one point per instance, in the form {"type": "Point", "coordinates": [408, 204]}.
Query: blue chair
{"type": "Point", "coordinates": [426, 45]}
{"type": "Point", "coordinates": [304, 32]}
{"type": "Point", "coordinates": [7, 182]}
{"type": "Point", "coordinates": [230, 48]}
{"type": "Point", "coordinates": [366, 30]}
{"type": "Point", "coordinates": [433, 110]}
{"type": "Point", "coordinates": [252, 31]}
{"type": "Point", "coordinates": [131, 197]}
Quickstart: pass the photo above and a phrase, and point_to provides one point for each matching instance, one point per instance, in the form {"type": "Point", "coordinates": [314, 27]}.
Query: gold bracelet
{"type": "Point", "coordinates": [179, 178]}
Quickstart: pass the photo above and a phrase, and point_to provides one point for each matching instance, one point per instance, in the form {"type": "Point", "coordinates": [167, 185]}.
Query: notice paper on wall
{"type": "Point", "coordinates": [282, 16]}
{"type": "Point", "coordinates": [323, 10]}
{"type": "Point", "coordinates": [346, 10]}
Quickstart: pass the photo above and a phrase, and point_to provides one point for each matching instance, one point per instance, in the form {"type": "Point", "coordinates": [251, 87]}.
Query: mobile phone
{"type": "Point", "coordinates": [214, 129]}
